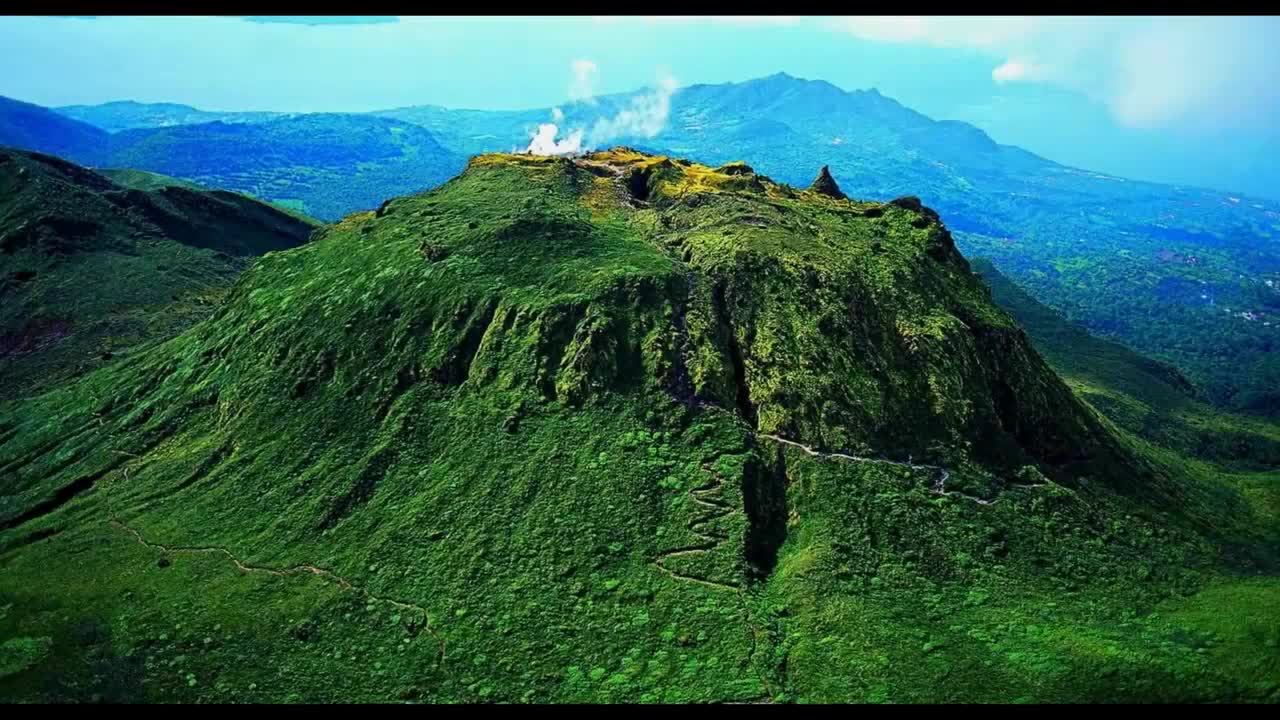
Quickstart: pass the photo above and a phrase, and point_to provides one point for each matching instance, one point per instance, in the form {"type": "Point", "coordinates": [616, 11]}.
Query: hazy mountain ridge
{"type": "Point", "coordinates": [324, 165]}
{"type": "Point", "coordinates": [128, 114]}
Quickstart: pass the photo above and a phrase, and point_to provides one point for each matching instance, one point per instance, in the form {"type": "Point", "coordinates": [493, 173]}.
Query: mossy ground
{"type": "Point", "coordinates": [504, 441]}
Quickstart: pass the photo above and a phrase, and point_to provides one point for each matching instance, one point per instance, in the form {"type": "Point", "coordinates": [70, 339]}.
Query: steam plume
{"type": "Point", "coordinates": [645, 116]}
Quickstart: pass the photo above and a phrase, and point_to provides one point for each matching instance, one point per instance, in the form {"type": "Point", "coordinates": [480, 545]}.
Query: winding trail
{"type": "Point", "coordinates": [939, 486]}
{"type": "Point", "coordinates": [303, 569]}
{"type": "Point", "coordinates": [707, 496]}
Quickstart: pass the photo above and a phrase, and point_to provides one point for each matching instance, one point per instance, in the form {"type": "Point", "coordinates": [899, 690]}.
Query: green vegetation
{"type": "Point", "coordinates": [1186, 275]}
{"type": "Point", "coordinates": [148, 181]}
{"type": "Point", "coordinates": [91, 270]}
{"type": "Point", "coordinates": [1148, 398]}
{"type": "Point", "coordinates": [520, 438]}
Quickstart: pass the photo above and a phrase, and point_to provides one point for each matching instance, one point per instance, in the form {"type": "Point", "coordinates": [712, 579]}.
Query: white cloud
{"type": "Point", "coordinates": [1017, 70]}
{"type": "Point", "coordinates": [584, 72]}
{"type": "Point", "coordinates": [557, 115]}
{"type": "Point", "coordinates": [977, 32]}
{"type": "Point", "coordinates": [1149, 71]}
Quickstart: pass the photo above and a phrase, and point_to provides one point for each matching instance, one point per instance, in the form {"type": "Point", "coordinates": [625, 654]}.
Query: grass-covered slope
{"type": "Point", "coordinates": [90, 268]}
{"type": "Point", "coordinates": [1145, 396]}
{"type": "Point", "coordinates": [148, 181]}
{"type": "Point", "coordinates": [1183, 274]}
{"type": "Point", "coordinates": [562, 429]}
{"type": "Point", "coordinates": [1187, 275]}
{"type": "Point", "coordinates": [143, 180]}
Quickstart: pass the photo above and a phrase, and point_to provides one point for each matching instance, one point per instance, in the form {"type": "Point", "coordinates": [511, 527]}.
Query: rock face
{"type": "Point", "coordinates": [826, 185]}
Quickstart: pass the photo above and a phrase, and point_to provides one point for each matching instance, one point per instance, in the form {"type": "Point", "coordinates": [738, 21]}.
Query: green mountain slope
{"type": "Point", "coordinates": [1146, 397]}
{"type": "Point", "coordinates": [148, 181]}
{"type": "Point", "coordinates": [1187, 275]}
{"type": "Point", "coordinates": [616, 428]}
{"type": "Point", "coordinates": [90, 268]}
{"type": "Point", "coordinates": [143, 180]}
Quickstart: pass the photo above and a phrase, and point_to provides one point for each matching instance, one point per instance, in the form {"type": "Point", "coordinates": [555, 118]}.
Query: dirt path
{"type": "Point", "coordinates": [707, 496]}
{"type": "Point", "coordinates": [304, 569]}
{"type": "Point", "coordinates": [939, 486]}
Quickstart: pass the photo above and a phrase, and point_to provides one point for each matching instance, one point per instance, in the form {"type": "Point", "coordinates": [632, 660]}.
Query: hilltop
{"type": "Point", "coordinates": [91, 269]}
{"type": "Point", "coordinates": [1187, 275]}
{"type": "Point", "coordinates": [617, 427]}
{"type": "Point", "coordinates": [33, 127]}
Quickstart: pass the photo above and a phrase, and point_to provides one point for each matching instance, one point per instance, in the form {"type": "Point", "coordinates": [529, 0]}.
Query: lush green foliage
{"type": "Point", "coordinates": [91, 269]}
{"type": "Point", "coordinates": [1146, 397]}
{"type": "Point", "coordinates": [143, 180]}
{"type": "Point", "coordinates": [1186, 275]}
{"type": "Point", "coordinates": [510, 440]}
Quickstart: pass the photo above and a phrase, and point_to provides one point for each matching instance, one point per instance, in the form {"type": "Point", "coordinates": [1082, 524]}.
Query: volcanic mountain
{"type": "Point", "coordinates": [617, 427]}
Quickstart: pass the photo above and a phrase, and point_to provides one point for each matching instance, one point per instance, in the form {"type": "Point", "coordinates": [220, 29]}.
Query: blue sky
{"type": "Point", "coordinates": [1187, 100]}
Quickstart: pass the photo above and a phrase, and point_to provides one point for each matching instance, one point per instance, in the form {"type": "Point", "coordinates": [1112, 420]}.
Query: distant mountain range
{"type": "Point", "coordinates": [130, 115]}
{"type": "Point", "coordinates": [1189, 275]}
{"type": "Point", "coordinates": [326, 165]}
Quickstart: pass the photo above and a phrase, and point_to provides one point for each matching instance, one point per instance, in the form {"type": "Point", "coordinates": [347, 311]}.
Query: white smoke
{"type": "Point", "coordinates": [544, 141]}
{"type": "Point", "coordinates": [645, 116]}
